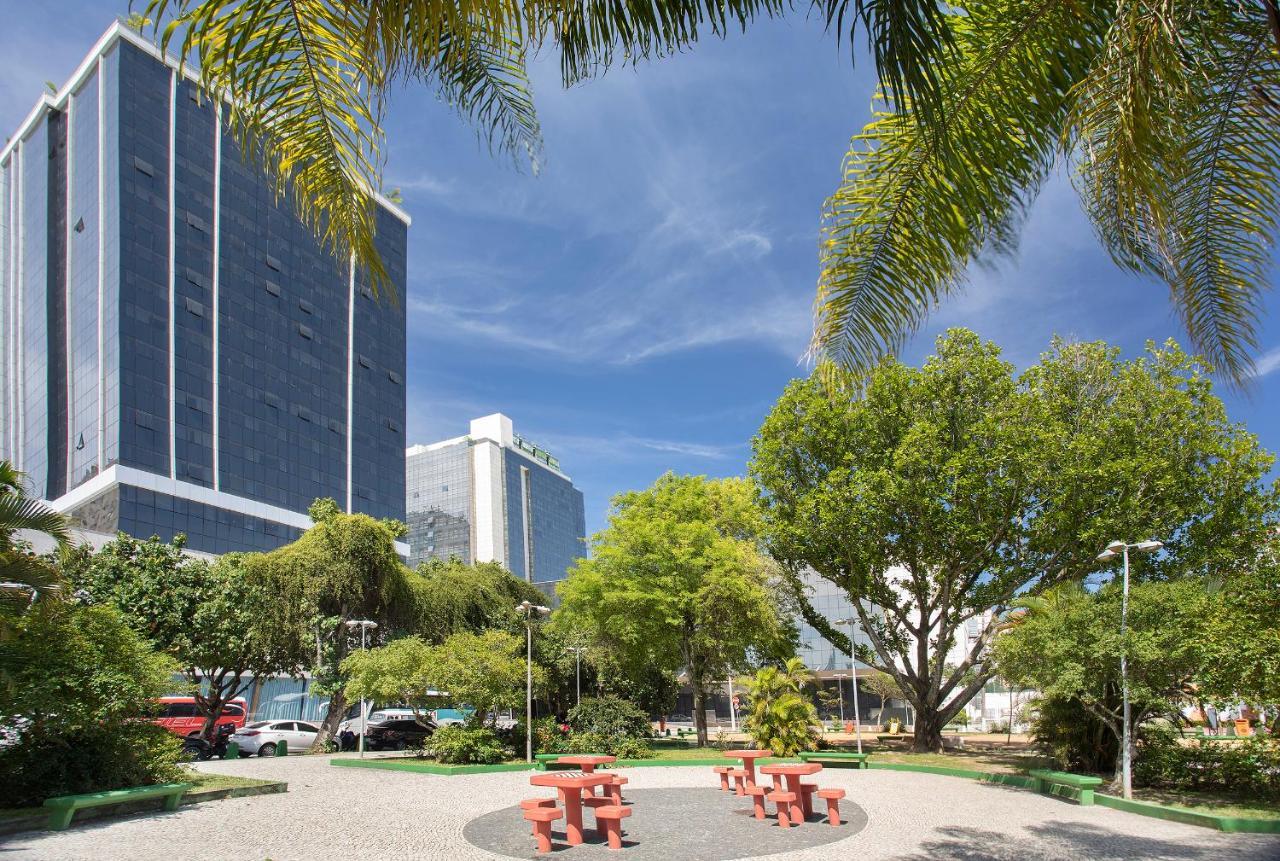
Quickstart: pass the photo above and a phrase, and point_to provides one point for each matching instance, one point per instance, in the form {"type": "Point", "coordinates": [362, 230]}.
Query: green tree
{"type": "Point", "coordinates": [452, 596]}
{"type": "Point", "coordinates": [342, 569]}
{"type": "Point", "coordinates": [677, 582]}
{"type": "Point", "coordinates": [26, 576]}
{"type": "Point", "coordinates": [80, 685]}
{"type": "Point", "coordinates": [782, 717]}
{"type": "Point", "coordinates": [883, 686]}
{"type": "Point", "coordinates": [214, 619]}
{"type": "Point", "coordinates": [938, 495]}
{"type": "Point", "coordinates": [1243, 639]}
{"type": "Point", "coordinates": [483, 671]}
{"type": "Point", "coordinates": [1072, 651]}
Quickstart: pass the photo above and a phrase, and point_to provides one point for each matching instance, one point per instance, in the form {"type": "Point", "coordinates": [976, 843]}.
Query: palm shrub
{"type": "Point", "coordinates": [782, 717]}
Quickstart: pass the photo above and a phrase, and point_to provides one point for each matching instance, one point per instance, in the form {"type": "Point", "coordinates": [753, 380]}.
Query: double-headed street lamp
{"type": "Point", "coordinates": [529, 609]}
{"type": "Point", "coordinates": [364, 625]}
{"type": "Point", "coordinates": [1114, 549]}
{"type": "Point", "coordinates": [853, 670]}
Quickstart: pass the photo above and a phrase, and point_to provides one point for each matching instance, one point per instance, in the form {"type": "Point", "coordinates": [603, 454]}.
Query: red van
{"type": "Point", "coordinates": [180, 716]}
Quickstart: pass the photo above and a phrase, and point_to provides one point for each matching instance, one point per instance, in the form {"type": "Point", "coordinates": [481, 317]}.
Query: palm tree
{"type": "Point", "coordinates": [781, 717]}
{"type": "Point", "coordinates": [1168, 111]}
{"type": "Point", "coordinates": [25, 577]}
{"type": "Point", "coordinates": [1165, 109]}
{"type": "Point", "coordinates": [303, 82]}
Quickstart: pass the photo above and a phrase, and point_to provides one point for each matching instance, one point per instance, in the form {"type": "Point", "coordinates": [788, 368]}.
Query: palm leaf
{"type": "Point", "coordinates": [19, 512]}
{"type": "Point", "coordinates": [25, 578]}
{"type": "Point", "coordinates": [920, 202]}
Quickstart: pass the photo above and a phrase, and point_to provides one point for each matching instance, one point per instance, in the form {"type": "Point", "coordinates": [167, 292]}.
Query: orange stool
{"type": "Point", "coordinates": [612, 816]}
{"type": "Point", "coordinates": [833, 797]}
{"type": "Point", "coordinates": [534, 804]}
{"type": "Point", "coordinates": [542, 817]}
{"type": "Point", "coordinates": [757, 794]}
{"type": "Point", "coordinates": [739, 780]}
{"type": "Point", "coordinates": [723, 771]}
{"type": "Point", "coordinates": [615, 788]}
{"type": "Point", "coordinates": [783, 800]}
{"type": "Point", "coordinates": [806, 798]}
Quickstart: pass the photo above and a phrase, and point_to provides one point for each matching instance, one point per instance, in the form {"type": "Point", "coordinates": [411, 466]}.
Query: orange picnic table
{"type": "Point", "coordinates": [792, 772]}
{"type": "Point", "coordinates": [588, 762]}
{"type": "Point", "coordinates": [570, 784]}
{"type": "Point", "coordinates": [749, 758]}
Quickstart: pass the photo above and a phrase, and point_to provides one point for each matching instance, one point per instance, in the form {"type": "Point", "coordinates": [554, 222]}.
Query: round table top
{"type": "Point", "coordinates": [791, 768]}
{"type": "Point", "coordinates": [748, 754]}
{"type": "Point", "coordinates": [587, 759]}
{"type": "Point", "coordinates": [569, 779]}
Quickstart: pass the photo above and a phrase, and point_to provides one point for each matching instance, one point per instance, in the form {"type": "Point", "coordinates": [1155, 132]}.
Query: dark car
{"type": "Point", "coordinates": [397, 734]}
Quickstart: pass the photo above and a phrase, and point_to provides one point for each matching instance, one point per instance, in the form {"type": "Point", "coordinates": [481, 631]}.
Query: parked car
{"type": "Point", "coordinates": [180, 716]}
{"type": "Point", "coordinates": [379, 715]}
{"type": "Point", "coordinates": [450, 717]}
{"type": "Point", "coordinates": [397, 734]}
{"type": "Point", "coordinates": [259, 736]}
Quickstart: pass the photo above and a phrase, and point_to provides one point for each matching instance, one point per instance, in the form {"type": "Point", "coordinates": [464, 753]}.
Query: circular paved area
{"type": "Point", "coordinates": [689, 823]}
{"type": "Point", "coordinates": [357, 814]}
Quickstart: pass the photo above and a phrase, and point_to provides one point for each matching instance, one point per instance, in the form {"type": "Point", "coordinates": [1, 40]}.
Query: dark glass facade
{"type": "Point", "coordinates": [164, 316]}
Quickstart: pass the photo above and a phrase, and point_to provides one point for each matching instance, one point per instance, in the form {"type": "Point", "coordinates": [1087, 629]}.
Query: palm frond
{"type": "Point", "coordinates": [919, 202]}
{"type": "Point", "coordinates": [25, 579]}
{"type": "Point", "coordinates": [1226, 204]}
{"type": "Point", "coordinates": [20, 512]}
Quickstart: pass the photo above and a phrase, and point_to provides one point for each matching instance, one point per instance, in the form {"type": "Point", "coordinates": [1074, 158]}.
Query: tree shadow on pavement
{"type": "Point", "coordinates": [1063, 840]}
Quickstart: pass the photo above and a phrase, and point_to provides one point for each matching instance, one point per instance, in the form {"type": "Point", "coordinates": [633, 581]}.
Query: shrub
{"type": "Point", "coordinates": [1070, 733]}
{"type": "Point", "coordinates": [549, 735]}
{"type": "Point", "coordinates": [781, 717]}
{"type": "Point", "coordinates": [621, 746]}
{"type": "Point", "coordinates": [609, 716]}
{"type": "Point", "coordinates": [1249, 767]}
{"type": "Point", "coordinates": [464, 745]}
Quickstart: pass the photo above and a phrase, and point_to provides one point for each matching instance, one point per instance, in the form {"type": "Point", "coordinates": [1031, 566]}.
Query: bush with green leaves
{"type": "Point", "coordinates": [782, 717]}
{"type": "Point", "coordinates": [1074, 736]}
{"type": "Point", "coordinates": [1250, 767]}
{"type": "Point", "coordinates": [609, 716]}
{"type": "Point", "coordinates": [621, 746]}
{"type": "Point", "coordinates": [466, 745]}
{"type": "Point", "coordinates": [81, 686]}
{"type": "Point", "coordinates": [549, 735]}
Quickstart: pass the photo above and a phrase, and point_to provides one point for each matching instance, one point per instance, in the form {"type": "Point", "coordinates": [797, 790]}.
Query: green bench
{"type": "Point", "coordinates": [62, 807]}
{"type": "Point", "coordinates": [549, 761]}
{"type": "Point", "coordinates": [1064, 784]}
{"type": "Point", "coordinates": [836, 758]}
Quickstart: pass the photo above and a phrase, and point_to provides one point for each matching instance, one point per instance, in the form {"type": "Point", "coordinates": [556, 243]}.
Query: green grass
{"type": "Point", "coordinates": [1209, 802]}
{"type": "Point", "coordinates": [999, 763]}
{"type": "Point", "coordinates": [209, 780]}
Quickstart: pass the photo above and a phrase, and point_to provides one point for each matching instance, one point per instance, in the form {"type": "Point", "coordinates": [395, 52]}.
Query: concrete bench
{"type": "Point", "coordinates": [835, 758]}
{"type": "Point", "coordinates": [63, 807]}
{"type": "Point", "coordinates": [550, 761]}
{"type": "Point", "coordinates": [542, 817]}
{"type": "Point", "coordinates": [611, 817]}
{"type": "Point", "coordinates": [1079, 785]}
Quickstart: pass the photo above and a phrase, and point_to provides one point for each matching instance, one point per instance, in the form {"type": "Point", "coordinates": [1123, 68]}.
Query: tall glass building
{"type": "Point", "coordinates": [493, 496]}
{"type": "Point", "coordinates": [179, 354]}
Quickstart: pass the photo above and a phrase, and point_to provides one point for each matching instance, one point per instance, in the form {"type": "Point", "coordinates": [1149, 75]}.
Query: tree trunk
{"type": "Point", "coordinates": [928, 732]}
{"type": "Point", "coordinates": [700, 713]}
{"type": "Point", "coordinates": [1117, 780]}
{"type": "Point", "coordinates": [333, 717]}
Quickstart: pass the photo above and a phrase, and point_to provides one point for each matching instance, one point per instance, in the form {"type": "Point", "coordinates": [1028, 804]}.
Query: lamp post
{"type": "Point", "coordinates": [1114, 549]}
{"type": "Point", "coordinates": [529, 609]}
{"type": "Point", "coordinates": [733, 711]}
{"type": "Point", "coordinates": [853, 670]}
{"type": "Point", "coordinates": [577, 669]}
{"type": "Point", "coordinates": [364, 625]}
{"type": "Point", "coordinates": [840, 677]}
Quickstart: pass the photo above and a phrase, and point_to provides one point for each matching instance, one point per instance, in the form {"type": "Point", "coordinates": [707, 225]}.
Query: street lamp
{"type": "Point", "coordinates": [840, 677]}
{"type": "Point", "coordinates": [529, 609]}
{"type": "Point", "coordinates": [364, 625]}
{"type": "Point", "coordinates": [577, 668]}
{"type": "Point", "coordinates": [853, 669]}
{"type": "Point", "coordinates": [1114, 549]}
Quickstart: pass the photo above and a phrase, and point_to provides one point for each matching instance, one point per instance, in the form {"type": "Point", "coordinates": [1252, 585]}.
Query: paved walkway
{"type": "Point", "coordinates": [356, 814]}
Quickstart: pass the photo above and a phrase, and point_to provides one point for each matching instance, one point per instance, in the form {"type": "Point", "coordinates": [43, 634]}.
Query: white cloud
{"type": "Point", "coordinates": [1266, 364]}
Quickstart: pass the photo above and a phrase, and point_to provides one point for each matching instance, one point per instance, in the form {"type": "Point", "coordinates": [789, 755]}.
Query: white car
{"type": "Point", "coordinates": [352, 721]}
{"type": "Point", "coordinates": [261, 737]}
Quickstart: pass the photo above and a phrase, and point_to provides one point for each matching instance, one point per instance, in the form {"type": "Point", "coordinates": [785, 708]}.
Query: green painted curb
{"type": "Point", "coordinates": [1190, 817]}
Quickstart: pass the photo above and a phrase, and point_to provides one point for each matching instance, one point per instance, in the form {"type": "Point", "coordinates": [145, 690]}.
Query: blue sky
{"type": "Point", "coordinates": [639, 305]}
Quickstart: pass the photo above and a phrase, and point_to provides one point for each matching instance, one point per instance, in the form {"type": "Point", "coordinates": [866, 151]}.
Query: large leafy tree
{"type": "Point", "coordinates": [1243, 641]}
{"type": "Point", "coordinates": [1069, 648]}
{"type": "Point", "coordinates": [215, 619]}
{"type": "Point", "coordinates": [677, 582]}
{"type": "Point", "coordinates": [937, 496]}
